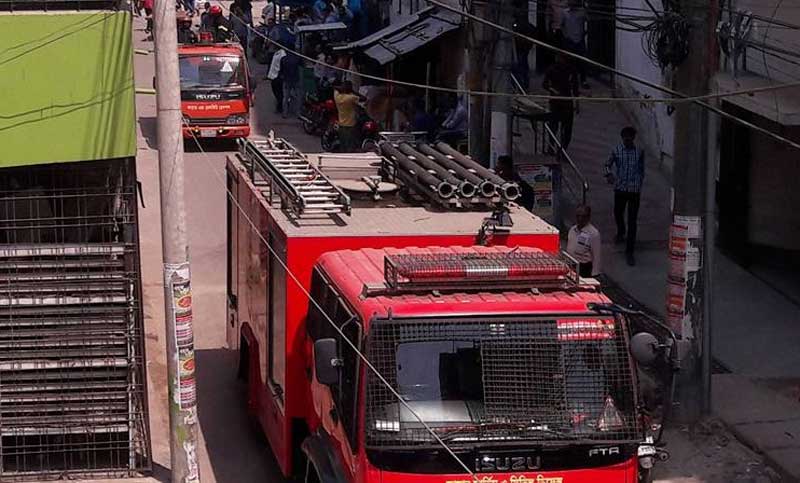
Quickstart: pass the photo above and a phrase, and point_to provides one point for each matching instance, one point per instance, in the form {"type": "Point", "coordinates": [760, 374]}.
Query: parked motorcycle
{"type": "Point", "coordinates": [318, 111]}
{"type": "Point", "coordinates": [368, 132]}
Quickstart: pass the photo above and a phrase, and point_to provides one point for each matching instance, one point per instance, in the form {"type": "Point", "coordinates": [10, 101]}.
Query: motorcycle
{"type": "Point", "coordinates": [318, 111]}
{"type": "Point", "coordinates": [369, 131]}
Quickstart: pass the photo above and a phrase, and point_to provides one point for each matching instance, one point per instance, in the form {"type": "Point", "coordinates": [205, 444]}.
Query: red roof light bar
{"type": "Point", "coordinates": [535, 269]}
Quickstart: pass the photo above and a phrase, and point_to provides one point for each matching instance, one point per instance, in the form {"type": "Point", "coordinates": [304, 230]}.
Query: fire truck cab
{"type": "Point", "coordinates": [387, 338]}
{"type": "Point", "coordinates": [216, 92]}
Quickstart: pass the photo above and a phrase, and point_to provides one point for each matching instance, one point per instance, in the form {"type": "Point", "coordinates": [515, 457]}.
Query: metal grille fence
{"type": "Point", "coordinates": [72, 381]}
{"type": "Point", "coordinates": [501, 380]}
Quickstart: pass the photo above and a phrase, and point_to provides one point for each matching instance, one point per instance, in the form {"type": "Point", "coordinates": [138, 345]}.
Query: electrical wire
{"type": "Point", "coordinates": [647, 100]}
{"type": "Point", "coordinates": [317, 306]}
{"type": "Point", "coordinates": [621, 74]}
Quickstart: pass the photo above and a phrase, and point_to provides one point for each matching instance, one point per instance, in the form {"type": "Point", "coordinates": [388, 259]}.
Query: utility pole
{"type": "Point", "coordinates": [691, 235]}
{"type": "Point", "coordinates": [476, 43]}
{"type": "Point", "coordinates": [177, 286]}
{"type": "Point", "coordinates": [501, 130]}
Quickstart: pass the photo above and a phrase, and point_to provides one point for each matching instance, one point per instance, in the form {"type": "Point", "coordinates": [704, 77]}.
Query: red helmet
{"type": "Point", "coordinates": [216, 10]}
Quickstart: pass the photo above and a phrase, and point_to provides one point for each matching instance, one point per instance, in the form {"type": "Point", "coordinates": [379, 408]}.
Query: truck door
{"type": "Point", "coordinates": [232, 304]}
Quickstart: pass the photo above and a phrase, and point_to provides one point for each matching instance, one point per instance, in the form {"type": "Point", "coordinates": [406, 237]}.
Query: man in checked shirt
{"type": "Point", "coordinates": [625, 170]}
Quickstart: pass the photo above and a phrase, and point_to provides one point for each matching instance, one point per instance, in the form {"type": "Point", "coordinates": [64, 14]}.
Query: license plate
{"type": "Point", "coordinates": [647, 450]}
{"type": "Point", "coordinates": [208, 133]}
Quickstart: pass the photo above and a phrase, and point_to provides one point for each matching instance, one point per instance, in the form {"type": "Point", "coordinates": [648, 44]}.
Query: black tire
{"type": "Point", "coordinates": [645, 476]}
{"type": "Point", "coordinates": [370, 146]}
{"type": "Point", "coordinates": [330, 141]}
{"type": "Point", "coordinates": [309, 126]}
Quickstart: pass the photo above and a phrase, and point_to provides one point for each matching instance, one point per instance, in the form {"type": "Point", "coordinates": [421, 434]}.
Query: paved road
{"type": "Point", "coordinates": [231, 449]}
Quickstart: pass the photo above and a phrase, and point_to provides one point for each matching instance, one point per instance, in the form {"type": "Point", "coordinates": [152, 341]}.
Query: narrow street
{"type": "Point", "coordinates": [231, 448]}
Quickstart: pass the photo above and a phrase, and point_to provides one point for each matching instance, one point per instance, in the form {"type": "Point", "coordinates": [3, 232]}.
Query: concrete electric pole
{"type": "Point", "coordinates": [691, 234]}
{"type": "Point", "coordinates": [177, 286]}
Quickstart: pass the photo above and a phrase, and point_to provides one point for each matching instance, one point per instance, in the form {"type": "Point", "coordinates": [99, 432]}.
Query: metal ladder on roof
{"type": "Point", "coordinates": [301, 186]}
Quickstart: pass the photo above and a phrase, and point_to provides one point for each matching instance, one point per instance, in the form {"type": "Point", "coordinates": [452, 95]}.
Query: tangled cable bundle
{"type": "Point", "coordinates": [666, 40]}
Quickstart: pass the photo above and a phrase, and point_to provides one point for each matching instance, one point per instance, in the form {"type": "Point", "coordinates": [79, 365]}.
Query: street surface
{"type": "Point", "coordinates": [231, 450]}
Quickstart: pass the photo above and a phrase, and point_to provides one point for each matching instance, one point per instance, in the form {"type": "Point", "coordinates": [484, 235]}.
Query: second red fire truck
{"type": "Point", "coordinates": [215, 90]}
{"type": "Point", "coordinates": [447, 339]}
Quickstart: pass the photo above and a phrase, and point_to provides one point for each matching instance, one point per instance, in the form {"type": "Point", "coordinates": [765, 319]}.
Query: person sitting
{"type": "Point", "coordinates": [220, 26]}
{"type": "Point", "coordinates": [454, 127]}
{"type": "Point", "coordinates": [185, 33]}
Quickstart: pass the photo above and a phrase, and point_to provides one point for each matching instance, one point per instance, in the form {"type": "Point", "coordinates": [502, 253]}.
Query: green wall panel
{"type": "Point", "coordinates": [66, 87]}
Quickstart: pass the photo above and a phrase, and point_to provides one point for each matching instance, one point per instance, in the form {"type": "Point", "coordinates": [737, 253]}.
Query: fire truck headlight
{"type": "Point", "coordinates": [237, 119]}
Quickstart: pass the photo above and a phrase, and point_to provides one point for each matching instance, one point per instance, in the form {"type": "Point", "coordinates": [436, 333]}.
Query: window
{"type": "Point", "coordinates": [319, 327]}
{"type": "Point", "coordinates": [208, 71]}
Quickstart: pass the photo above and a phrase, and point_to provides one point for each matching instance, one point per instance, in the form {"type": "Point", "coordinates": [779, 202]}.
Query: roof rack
{"type": "Point", "coordinates": [441, 174]}
{"type": "Point", "coordinates": [463, 272]}
{"type": "Point", "coordinates": [302, 188]}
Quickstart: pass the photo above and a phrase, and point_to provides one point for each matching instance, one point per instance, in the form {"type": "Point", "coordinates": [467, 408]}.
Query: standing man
{"type": "Point", "coordinates": [290, 74]}
{"type": "Point", "coordinates": [625, 170]}
{"type": "Point", "coordinates": [276, 82]}
{"type": "Point", "coordinates": [347, 105]}
{"type": "Point", "coordinates": [561, 79]}
{"type": "Point", "coordinates": [573, 30]}
{"type": "Point", "coordinates": [584, 243]}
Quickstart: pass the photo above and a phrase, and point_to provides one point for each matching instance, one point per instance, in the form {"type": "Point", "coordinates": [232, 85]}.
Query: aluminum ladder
{"type": "Point", "coordinates": [301, 186]}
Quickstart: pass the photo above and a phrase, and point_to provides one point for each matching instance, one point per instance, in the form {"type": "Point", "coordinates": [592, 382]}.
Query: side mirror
{"type": "Point", "coordinates": [645, 348]}
{"type": "Point", "coordinates": [326, 361]}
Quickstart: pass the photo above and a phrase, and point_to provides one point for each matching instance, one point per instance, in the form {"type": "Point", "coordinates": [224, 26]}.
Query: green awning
{"type": "Point", "coordinates": [67, 87]}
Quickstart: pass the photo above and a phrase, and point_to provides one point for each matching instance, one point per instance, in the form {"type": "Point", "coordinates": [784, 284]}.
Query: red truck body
{"type": "Point", "coordinates": [215, 90]}
{"type": "Point", "coordinates": [271, 324]}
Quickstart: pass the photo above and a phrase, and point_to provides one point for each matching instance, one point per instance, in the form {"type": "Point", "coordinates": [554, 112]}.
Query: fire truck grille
{"type": "Point", "coordinates": [207, 121]}
{"type": "Point", "coordinates": [72, 382]}
{"type": "Point", "coordinates": [500, 380]}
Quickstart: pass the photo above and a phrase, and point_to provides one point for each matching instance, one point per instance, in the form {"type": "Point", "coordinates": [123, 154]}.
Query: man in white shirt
{"type": "Point", "coordinates": [584, 243]}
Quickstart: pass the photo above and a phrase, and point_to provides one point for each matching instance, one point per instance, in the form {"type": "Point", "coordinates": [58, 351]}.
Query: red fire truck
{"type": "Point", "coordinates": [448, 340]}
{"type": "Point", "coordinates": [215, 90]}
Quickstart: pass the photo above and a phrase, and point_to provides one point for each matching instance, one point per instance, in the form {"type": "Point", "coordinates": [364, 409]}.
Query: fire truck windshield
{"type": "Point", "coordinates": [210, 71]}
{"type": "Point", "coordinates": [550, 380]}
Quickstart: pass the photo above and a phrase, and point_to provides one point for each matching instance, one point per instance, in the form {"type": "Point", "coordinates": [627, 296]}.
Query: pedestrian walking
{"type": "Point", "coordinates": [573, 31]}
{"type": "Point", "coordinates": [584, 243]}
{"type": "Point", "coordinates": [290, 74]}
{"type": "Point", "coordinates": [561, 79]}
{"type": "Point", "coordinates": [276, 82]}
{"type": "Point", "coordinates": [147, 5]}
{"type": "Point", "coordinates": [625, 170]}
{"type": "Point", "coordinates": [239, 24]}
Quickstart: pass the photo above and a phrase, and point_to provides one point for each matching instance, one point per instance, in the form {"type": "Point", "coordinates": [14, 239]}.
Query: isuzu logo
{"type": "Point", "coordinates": [604, 451]}
{"type": "Point", "coordinates": [507, 463]}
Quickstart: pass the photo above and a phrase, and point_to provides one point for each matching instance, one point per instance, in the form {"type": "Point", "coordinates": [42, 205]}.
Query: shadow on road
{"type": "Point", "coordinates": [236, 450]}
